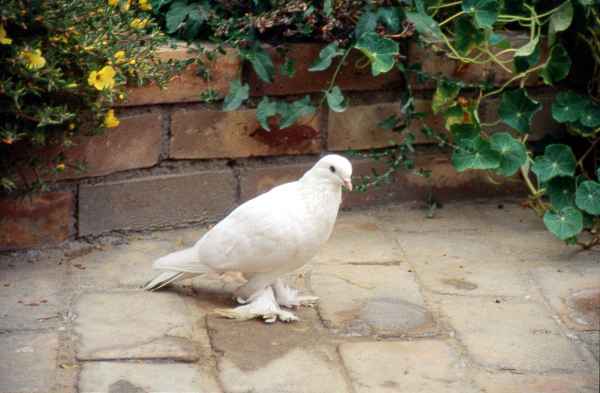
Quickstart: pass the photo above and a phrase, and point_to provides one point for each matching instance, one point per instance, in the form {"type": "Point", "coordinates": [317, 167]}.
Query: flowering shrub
{"type": "Point", "coordinates": [64, 64]}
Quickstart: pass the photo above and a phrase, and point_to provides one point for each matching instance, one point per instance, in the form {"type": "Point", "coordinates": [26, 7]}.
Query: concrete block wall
{"type": "Point", "coordinates": [175, 160]}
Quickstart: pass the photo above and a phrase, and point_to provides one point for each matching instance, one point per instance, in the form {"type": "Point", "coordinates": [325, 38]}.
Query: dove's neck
{"type": "Point", "coordinates": [322, 189]}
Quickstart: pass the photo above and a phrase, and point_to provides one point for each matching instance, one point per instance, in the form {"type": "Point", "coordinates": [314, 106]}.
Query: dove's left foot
{"type": "Point", "coordinates": [289, 297]}
{"type": "Point", "coordinates": [261, 305]}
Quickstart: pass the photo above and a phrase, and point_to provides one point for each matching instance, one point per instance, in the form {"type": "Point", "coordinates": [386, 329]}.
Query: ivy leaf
{"type": "Point", "coordinates": [480, 156]}
{"type": "Point", "coordinates": [327, 7]}
{"type": "Point", "coordinates": [587, 197]}
{"type": "Point", "coordinates": [261, 62]}
{"type": "Point", "coordinates": [512, 153]}
{"type": "Point", "coordinates": [560, 21]}
{"type": "Point", "coordinates": [238, 93]}
{"type": "Point", "coordinates": [366, 23]}
{"type": "Point", "coordinates": [336, 100]}
{"type": "Point", "coordinates": [523, 63]}
{"type": "Point", "coordinates": [485, 12]}
{"type": "Point", "coordinates": [390, 17]}
{"type": "Point", "coordinates": [177, 13]}
{"type": "Point", "coordinates": [568, 107]}
{"type": "Point", "coordinates": [558, 160]}
{"type": "Point", "coordinates": [558, 65]}
{"type": "Point", "coordinates": [288, 68]}
{"type": "Point", "coordinates": [295, 110]}
{"type": "Point", "coordinates": [528, 48]}
{"type": "Point", "coordinates": [517, 109]}
{"type": "Point", "coordinates": [381, 52]}
{"type": "Point", "coordinates": [467, 36]}
{"type": "Point", "coordinates": [561, 191]}
{"type": "Point", "coordinates": [445, 93]}
{"type": "Point", "coordinates": [590, 116]}
{"type": "Point", "coordinates": [195, 19]}
{"type": "Point", "coordinates": [266, 108]}
{"type": "Point", "coordinates": [389, 123]}
{"type": "Point", "coordinates": [565, 223]}
{"type": "Point", "coordinates": [464, 135]}
{"type": "Point", "coordinates": [425, 24]}
{"type": "Point", "coordinates": [326, 56]}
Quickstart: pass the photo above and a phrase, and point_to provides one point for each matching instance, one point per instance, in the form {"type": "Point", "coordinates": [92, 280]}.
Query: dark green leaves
{"type": "Point", "coordinates": [560, 21]}
{"type": "Point", "coordinates": [512, 153]}
{"type": "Point", "coordinates": [590, 116]}
{"type": "Point", "coordinates": [485, 12]}
{"type": "Point", "coordinates": [336, 100]}
{"type": "Point", "coordinates": [558, 65]}
{"type": "Point", "coordinates": [381, 52]}
{"type": "Point", "coordinates": [186, 18]}
{"type": "Point", "coordinates": [445, 93]}
{"type": "Point", "coordinates": [517, 109]}
{"type": "Point", "coordinates": [425, 24]}
{"type": "Point", "coordinates": [587, 197]}
{"type": "Point", "coordinates": [238, 93]}
{"type": "Point", "coordinates": [288, 113]}
{"type": "Point", "coordinates": [568, 107]}
{"type": "Point", "coordinates": [389, 17]}
{"type": "Point", "coordinates": [467, 36]}
{"type": "Point", "coordinates": [479, 155]}
{"type": "Point", "coordinates": [565, 223]}
{"type": "Point", "coordinates": [561, 191]}
{"type": "Point", "coordinates": [326, 56]}
{"type": "Point", "coordinates": [261, 62]}
{"type": "Point", "coordinates": [288, 67]}
{"type": "Point", "coordinates": [558, 160]}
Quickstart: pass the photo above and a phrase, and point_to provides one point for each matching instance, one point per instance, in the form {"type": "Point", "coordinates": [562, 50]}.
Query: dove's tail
{"type": "Point", "coordinates": [179, 265]}
{"type": "Point", "coordinates": [164, 279]}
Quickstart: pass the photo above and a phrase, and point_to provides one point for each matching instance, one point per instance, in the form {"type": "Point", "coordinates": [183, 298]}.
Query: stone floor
{"type": "Point", "coordinates": [479, 298]}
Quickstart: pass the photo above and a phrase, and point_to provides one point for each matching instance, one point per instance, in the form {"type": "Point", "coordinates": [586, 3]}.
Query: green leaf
{"type": "Point", "coordinates": [195, 20]}
{"type": "Point", "coordinates": [336, 100]}
{"type": "Point", "coordinates": [568, 107]}
{"type": "Point", "coordinates": [327, 7]}
{"type": "Point", "coordinates": [561, 191]}
{"type": "Point", "coordinates": [264, 111]}
{"type": "Point", "coordinates": [177, 13]}
{"type": "Point", "coordinates": [480, 156]}
{"type": "Point", "coordinates": [485, 12]}
{"type": "Point", "coordinates": [467, 36]}
{"type": "Point", "coordinates": [565, 223]}
{"type": "Point", "coordinates": [425, 24]}
{"type": "Point", "coordinates": [517, 109]}
{"type": "Point", "coordinates": [288, 68]}
{"type": "Point", "coordinates": [512, 153]}
{"type": "Point", "coordinates": [587, 197]}
{"type": "Point", "coordinates": [560, 20]}
{"type": "Point", "coordinates": [365, 24]}
{"type": "Point", "coordinates": [261, 62]}
{"type": "Point", "coordinates": [326, 56]}
{"type": "Point", "coordinates": [590, 115]}
{"type": "Point", "coordinates": [445, 93]}
{"type": "Point", "coordinates": [558, 160]}
{"type": "Point", "coordinates": [294, 110]}
{"type": "Point", "coordinates": [389, 123]}
{"type": "Point", "coordinates": [528, 48]}
{"type": "Point", "coordinates": [238, 93]}
{"type": "Point", "coordinates": [464, 135]}
{"type": "Point", "coordinates": [558, 65]}
{"type": "Point", "coordinates": [499, 41]}
{"type": "Point", "coordinates": [390, 18]}
{"type": "Point", "coordinates": [523, 63]}
{"type": "Point", "coordinates": [381, 52]}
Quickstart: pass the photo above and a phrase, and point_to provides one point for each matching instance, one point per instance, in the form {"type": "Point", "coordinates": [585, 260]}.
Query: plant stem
{"type": "Point", "coordinates": [451, 18]}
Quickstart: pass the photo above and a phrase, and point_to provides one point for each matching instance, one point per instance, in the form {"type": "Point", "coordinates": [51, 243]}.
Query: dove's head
{"type": "Point", "coordinates": [334, 168]}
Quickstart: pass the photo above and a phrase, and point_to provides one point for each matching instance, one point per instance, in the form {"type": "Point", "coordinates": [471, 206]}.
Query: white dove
{"type": "Point", "coordinates": [265, 238]}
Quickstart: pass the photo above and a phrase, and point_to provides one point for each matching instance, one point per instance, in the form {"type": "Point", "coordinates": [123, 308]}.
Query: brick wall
{"type": "Point", "coordinates": [174, 160]}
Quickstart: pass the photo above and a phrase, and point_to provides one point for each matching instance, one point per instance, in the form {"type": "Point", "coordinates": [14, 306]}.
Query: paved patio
{"type": "Point", "coordinates": [479, 298]}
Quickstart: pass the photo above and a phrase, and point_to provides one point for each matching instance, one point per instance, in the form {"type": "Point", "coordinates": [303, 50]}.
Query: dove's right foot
{"type": "Point", "coordinates": [288, 297]}
{"type": "Point", "coordinates": [261, 305]}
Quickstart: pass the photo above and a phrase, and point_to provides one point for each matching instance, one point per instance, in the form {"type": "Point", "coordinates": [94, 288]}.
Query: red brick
{"type": "Point", "coordinates": [36, 220]}
{"type": "Point", "coordinates": [257, 180]}
{"type": "Point", "coordinates": [156, 201]}
{"type": "Point", "coordinates": [187, 86]}
{"type": "Point", "coordinates": [440, 64]}
{"type": "Point", "coordinates": [357, 127]}
{"type": "Point", "coordinates": [207, 133]}
{"type": "Point", "coordinates": [354, 76]}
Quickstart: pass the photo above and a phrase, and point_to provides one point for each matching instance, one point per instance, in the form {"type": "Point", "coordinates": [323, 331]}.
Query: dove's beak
{"type": "Point", "coordinates": [348, 184]}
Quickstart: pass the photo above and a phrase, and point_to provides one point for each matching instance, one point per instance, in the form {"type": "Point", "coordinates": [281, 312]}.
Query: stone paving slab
{"type": "Point", "coordinates": [511, 335]}
{"type": "Point", "coordinates": [135, 325]}
{"type": "Point", "coordinates": [28, 362]}
{"type": "Point", "coordinates": [371, 299]}
{"type": "Point", "coordinates": [32, 292]}
{"type": "Point", "coordinates": [407, 367]}
{"type": "Point", "coordinates": [121, 377]}
{"type": "Point", "coordinates": [542, 383]}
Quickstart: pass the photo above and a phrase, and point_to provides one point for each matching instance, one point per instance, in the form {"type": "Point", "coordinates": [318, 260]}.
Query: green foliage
{"type": "Point", "coordinates": [513, 154]}
{"type": "Point", "coordinates": [517, 109]}
{"type": "Point", "coordinates": [485, 12]}
{"type": "Point", "coordinates": [238, 93]}
{"type": "Point", "coordinates": [63, 65]}
{"type": "Point", "coordinates": [326, 56]}
{"type": "Point", "coordinates": [565, 223]}
{"type": "Point", "coordinates": [336, 100]}
{"type": "Point", "coordinates": [557, 160]}
{"type": "Point", "coordinates": [286, 113]}
{"type": "Point", "coordinates": [381, 52]}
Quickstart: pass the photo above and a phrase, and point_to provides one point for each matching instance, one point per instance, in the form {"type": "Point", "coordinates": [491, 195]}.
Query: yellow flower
{"type": "Point", "coordinates": [33, 59]}
{"type": "Point", "coordinates": [145, 5]}
{"type": "Point", "coordinates": [110, 120]}
{"type": "Point", "coordinates": [60, 167]}
{"type": "Point", "coordinates": [71, 126]}
{"type": "Point", "coordinates": [4, 40]}
{"type": "Point", "coordinates": [138, 23]}
{"type": "Point", "coordinates": [132, 61]}
{"type": "Point", "coordinates": [113, 3]}
{"type": "Point", "coordinates": [121, 96]}
{"type": "Point", "coordinates": [103, 79]}
{"type": "Point", "coordinates": [119, 56]}
{"type": "Point", "coordinates": [125, 5]}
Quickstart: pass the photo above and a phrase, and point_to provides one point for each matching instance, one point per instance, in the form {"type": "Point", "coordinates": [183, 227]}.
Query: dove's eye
{"type": "Point", "coordinates": [332, 169]}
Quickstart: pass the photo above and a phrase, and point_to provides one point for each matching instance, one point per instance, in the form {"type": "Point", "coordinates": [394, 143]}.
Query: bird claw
{"type": "Point", "coordinates": [262, 305]}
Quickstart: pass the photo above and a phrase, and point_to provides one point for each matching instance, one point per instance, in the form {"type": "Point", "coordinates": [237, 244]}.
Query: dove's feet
{"type": "Point", "coordinates": [261, 305]}
{"type": "Point", "coordinates": [289, 297]}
